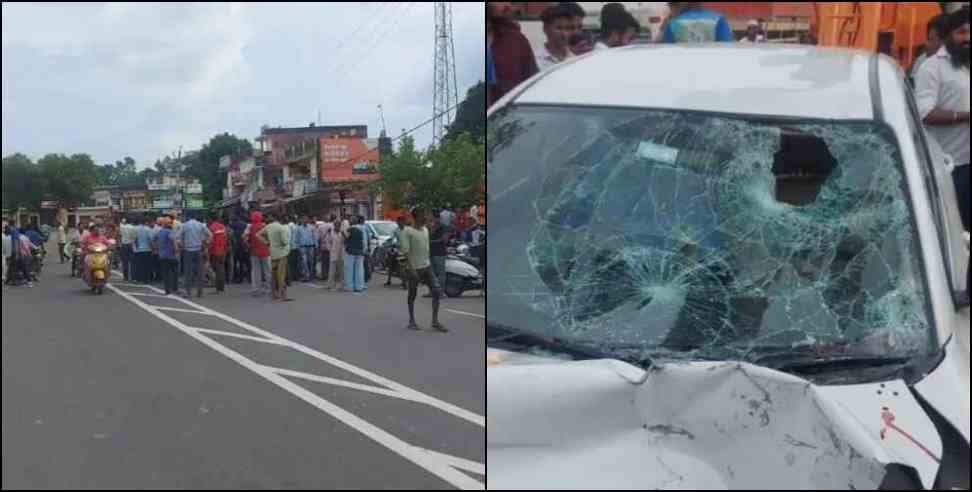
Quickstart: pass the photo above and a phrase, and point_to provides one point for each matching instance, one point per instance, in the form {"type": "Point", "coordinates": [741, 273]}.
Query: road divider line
{"type": "Point", "coordinates": [141, 294]}
{"type": "Point", "coordinates": [474, 315]}
{"type": "Point", "coordinates": [438, 464]}
{"type": "Point", "coordinates": [180, 310]}
{"type": "Point", "coordinates": [338, 382]}
{"type": "Point", "coordinates": [459, 463]}
{"type": "Point", "coordinates": [222, 333]}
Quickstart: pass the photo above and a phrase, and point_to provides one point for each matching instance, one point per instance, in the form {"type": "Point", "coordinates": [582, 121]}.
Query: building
{"type": "Point", "coordinates": [313, 170]}
{"type": "Point", "coordinates": [174, 192]}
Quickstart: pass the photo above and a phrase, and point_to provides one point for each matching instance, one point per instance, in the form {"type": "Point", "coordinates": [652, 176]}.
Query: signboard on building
{"type": "Point", "coordinates": [194, 203]}
{"type": "Point", "coordinates": [49, 205]}
{"type": "Point", "coordinates": [162, 204]}
{"type": "Point", "coordinates": [195, 188]}
{"type": "Point", "coordinates": [159, 186]}
{"type": "Point", "coordinates": [335, 152]}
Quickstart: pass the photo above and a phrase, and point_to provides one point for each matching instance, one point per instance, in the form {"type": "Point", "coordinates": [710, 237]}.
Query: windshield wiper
{"type": "Point", "coordinates": [819, 365]}
{"type": "Point", "coordinates": [515, 340]}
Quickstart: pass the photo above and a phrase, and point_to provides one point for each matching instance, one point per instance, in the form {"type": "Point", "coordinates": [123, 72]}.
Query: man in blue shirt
{"type": "Point", "coordinates": [166, 246]}
{"type": "Point", "coordinates": [305, 238]}
{"type": "Point", "coordinates": [691, 23]}
{"type": "Point", "coordinates": [34, 236]}
{"type": "Point", "coordinates": [144, 235]}
{"type": "Point", "coordinates": [192, 238]}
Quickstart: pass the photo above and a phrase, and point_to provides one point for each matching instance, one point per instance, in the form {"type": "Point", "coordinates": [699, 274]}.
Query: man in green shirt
{"type": "Point", "coordinates": [418, 268]}
{"type": "Point", "coordinates": [277, 236]}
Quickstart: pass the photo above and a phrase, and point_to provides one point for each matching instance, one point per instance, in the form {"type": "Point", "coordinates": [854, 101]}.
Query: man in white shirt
{"type": "Point", "coordinates": [558, 26]}
{"type": "Point", "coordinates": [935, 29]}
{"type": "Point", "coordinates": [942, 93]}
{"type": "Point", "coordinates": [127, 236]}
{"type": "Point", "coordinates": [326, 231]}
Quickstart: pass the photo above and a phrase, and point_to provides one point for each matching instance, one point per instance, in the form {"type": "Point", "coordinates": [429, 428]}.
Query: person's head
{"type": "Point", "coordinates": [752, 30]}
{"type": "Point", "coordinates": [558, 26]}
{"type": "Point", "coordinates": [401, 221]}
{"type": "Point", "coordinates": [421, 216]}
{"type": "Point", "coordinates": [935, 34]}
{"type": "Point", "coordinates": [956, 38]}
{"type": "Point", "coordinates": [618, 26]}
{"type": "Point", "coordinates": [499, 11]}
{"type": "Point", "coordinates": [94, 230]}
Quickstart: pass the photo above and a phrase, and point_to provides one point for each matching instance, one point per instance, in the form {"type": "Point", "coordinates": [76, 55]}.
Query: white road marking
{"type": "Point", "coordinates": [222, 333]}
{"type": "Point", "coordinates": [469, 466]}
{"type": "Point", "coordinates": [139, 294]}
{"type": "Point", "coordinates": [443, 466]}
{"type": "Point", "coordinates": [180, 310]}
{"type": "Point", "coordinates": [466, 314]}
{"type": "Point", "coordinates": [337, 382]}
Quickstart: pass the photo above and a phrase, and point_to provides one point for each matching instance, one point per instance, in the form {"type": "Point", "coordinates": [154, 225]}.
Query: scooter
{"type": "Point", "coordinates": [97, 277]}
{"type": "Point", "coordinates": [461, 277]}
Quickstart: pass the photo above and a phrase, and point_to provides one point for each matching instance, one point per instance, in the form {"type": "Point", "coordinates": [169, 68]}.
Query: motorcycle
{"type": "Point", "coordinates": [97, 276]}
{"type": "Point", "coordinates": [73, 251]}
{"type": "Point", "coordinates": [37, 265]}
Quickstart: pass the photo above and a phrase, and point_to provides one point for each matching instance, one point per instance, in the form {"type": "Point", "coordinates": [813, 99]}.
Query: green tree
{"type": "Point", "coordinates": [121, 173]}
{"type": "Point", "coordinates": [452, 174]}
{"type": "Point", "coordinates": [459, 170]}
{"type": "Point", "coordinates": [23, 183]}
{"type": "Point", "coordinates": [69, 179]}
{"type": "Point", "coordinates": [471, 115]}
{"type": "Point", "coordinates": [204, 165]}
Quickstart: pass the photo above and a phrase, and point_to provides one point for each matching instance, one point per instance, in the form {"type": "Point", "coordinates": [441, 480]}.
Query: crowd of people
{"type": "Point", "coordinates": [510, 59]}
{"type": "Point", "coordinates": [271, 251]}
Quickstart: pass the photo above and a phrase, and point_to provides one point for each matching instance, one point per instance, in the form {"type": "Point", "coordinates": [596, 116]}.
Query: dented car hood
{"type": "Point", "coordinates": [555, 424]}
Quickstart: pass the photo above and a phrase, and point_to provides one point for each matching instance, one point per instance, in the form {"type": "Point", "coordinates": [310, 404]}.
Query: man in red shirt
{"type": "Point", "coordinates": [259, 256]}
{"type": "Point", "coordinates": [512, 55]}
{"type": "Point", "coordinates": [217, 253]}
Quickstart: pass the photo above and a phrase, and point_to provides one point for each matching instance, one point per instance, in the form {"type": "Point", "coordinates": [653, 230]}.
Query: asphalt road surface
{"type": "Point", "coordinates": [135, 390]}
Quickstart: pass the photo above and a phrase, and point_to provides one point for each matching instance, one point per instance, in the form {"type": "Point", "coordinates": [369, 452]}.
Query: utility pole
{"type": "Point", "coordinates": [446, 93]}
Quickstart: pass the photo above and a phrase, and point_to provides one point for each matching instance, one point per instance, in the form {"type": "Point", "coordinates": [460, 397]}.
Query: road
{"type": "Point", "coordinates": [135, 390]}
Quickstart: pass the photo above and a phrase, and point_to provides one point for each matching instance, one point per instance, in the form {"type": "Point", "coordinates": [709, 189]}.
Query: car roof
{"type": "Point", "coordinates": [749, 79]}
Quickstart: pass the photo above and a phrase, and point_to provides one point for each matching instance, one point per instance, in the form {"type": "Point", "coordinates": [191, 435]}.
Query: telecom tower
{"type": "Point", "coordinates": [446, 91]}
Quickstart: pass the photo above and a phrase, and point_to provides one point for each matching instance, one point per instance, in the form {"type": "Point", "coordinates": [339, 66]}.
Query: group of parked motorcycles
{"type": "Point", "coordinates": [33, 272]}
{"type": "Point", "coordinates": [465, 265]}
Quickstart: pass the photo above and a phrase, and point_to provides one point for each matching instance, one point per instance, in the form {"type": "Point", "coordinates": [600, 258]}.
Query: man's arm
{"type": "Point", "coordinates": [263, 237]}
{"type": "Point", "coordinates": [404, 242]}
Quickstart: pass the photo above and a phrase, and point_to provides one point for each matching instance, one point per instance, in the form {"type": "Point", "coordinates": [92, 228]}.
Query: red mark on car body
{"type": "Point", "coordinates": [888, 419]}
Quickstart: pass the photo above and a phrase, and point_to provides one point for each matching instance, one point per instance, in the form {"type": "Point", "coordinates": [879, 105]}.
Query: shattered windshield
{"type": "Point", "coordinates": [685, 235]}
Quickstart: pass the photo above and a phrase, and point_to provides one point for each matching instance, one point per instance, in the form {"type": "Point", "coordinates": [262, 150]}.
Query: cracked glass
{"type": "Point", "coordinates": [675, 235]}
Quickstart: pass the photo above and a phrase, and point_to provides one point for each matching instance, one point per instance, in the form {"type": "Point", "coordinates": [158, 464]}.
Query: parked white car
{"type": "Point", "coordinates": [723, 267]}
{"type": "Point", "coordinates": [381, 231]}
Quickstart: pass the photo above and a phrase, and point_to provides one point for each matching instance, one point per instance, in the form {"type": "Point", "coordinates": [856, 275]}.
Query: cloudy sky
{"type": "Point", "coordinates": [114, 80]}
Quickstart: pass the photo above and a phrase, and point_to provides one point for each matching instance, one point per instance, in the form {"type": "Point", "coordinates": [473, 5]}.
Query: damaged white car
{"type": "Point", "coordinates": [723, 268]}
